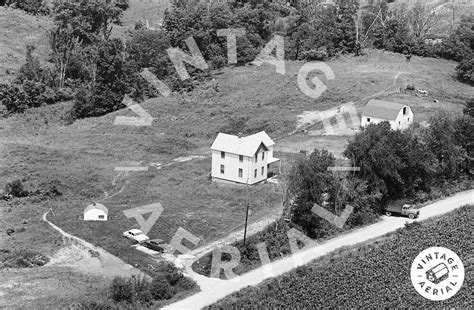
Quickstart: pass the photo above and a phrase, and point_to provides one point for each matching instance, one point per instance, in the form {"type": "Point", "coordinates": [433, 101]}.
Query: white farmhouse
{"type": "Point", "coordinates": [96, 212]}
{"type": "Point", "coordinates": [398, 115]}
{"type": "Point", "coordinates": [242, 159]}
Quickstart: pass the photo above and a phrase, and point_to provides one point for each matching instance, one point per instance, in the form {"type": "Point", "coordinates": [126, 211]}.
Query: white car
{"type": "Point", "coordinates": [136, 235]}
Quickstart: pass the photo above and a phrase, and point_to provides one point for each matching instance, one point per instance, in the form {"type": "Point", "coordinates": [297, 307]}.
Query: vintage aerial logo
{"type": "Point", "coordinates": [437, 273]}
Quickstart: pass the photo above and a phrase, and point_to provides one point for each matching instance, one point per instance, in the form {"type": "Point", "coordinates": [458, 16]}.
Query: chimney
{"type": "Point", "coordinates": [239, 135]}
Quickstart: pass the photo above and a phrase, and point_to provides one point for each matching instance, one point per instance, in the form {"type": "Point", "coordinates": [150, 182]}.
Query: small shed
{"type": "Point", "coordinates": [96, 212]}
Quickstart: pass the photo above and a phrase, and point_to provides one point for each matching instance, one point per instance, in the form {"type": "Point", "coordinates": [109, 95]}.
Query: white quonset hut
{"type": "Point", "coordinates": [398, 115]}
{"type": "Point", "coordinates": [242, 159]}
{"type": "Point", "coordinates": [96, 212]}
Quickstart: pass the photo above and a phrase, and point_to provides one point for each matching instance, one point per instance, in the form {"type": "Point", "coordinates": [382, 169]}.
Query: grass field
{"type": "Point", "coordinates": [374, 275]}
{"type": "Point", "coordinates": [15, 24]}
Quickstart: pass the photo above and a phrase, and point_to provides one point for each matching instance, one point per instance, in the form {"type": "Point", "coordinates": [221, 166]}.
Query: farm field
{"type": "Point", "coordinates": [372, 275]}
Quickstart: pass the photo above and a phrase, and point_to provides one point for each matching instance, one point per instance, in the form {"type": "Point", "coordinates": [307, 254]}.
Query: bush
{"type": "Point", "coordinates": [465, 70]}
{"type": "Point", "coordinates": [21, 259]}
{"type": "Point", "coordinates": [13, 98]}
{"type": "Point", "coordinates": [122, 290]}
{"type": "Point", "coordinates": [90, 305]}
{"type": "Point", "coordinates": [35, 7]}
{"type": "Point", "coordinates": [319, 54]}
{"type": "Point", "coordinates": [17, 98]}
{"type": "Point", "coordinates": [15, 189]}
{"type": "Point", "coordinates": [185, 284]}
{"type": "Point", "coordinates": [160, 288]}
{"type": "Point", "coordinates": [173, 276]}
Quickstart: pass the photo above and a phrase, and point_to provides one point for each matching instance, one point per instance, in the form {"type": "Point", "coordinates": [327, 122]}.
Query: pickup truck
{"type": "Point", "coordinates": [405, 210]}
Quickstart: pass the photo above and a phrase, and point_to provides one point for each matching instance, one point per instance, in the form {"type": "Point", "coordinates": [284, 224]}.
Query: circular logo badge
{"type": "Point", "coordinates": [437, 273]}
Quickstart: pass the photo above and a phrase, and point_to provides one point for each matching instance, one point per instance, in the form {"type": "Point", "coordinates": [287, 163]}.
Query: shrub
{"type": "Point", "coordinates": [465, 70]}
{"type": "Point", "coordinates": [15, 189]}
{"type": "Point", "coordinates": [160, 288]}
{"type": "Point", "coordinates": [319, 54]}
{"type": "Point", "coordinates": [36, 7]}
{"type": "Point", "coordinates": [90, 305]}
{"type": "Point", "coordinates": [21, 259]}
{"type": "Point", "coordinates": [185, 284]}
{"type": "Point", "coordinates": [173, 276]}
{"type": "Point", "coordinates": [122, 290]}
{"type": "Point", "coordinates": [13, 98]}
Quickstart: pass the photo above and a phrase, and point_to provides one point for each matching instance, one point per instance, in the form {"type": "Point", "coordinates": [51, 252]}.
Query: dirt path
{"type": "Point", "coordinates": [88, 258]}
{"type": "Point", "coordinates": [214, 289]}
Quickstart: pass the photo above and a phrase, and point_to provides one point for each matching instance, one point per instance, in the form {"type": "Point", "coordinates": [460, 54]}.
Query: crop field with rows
{"type": "Point", "coordinates": [376, 275]}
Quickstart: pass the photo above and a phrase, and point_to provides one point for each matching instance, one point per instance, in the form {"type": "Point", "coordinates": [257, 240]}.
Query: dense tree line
{"type": "Point", "coordinates": [99, 70]}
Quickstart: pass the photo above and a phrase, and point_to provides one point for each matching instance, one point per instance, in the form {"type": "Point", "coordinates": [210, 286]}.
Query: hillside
{"type": "Point", "coordinates": [17, 30]}
{"type": "Point", "coordinates": [151, 10]}
{"type": "Point", "coordinates": [39, 149]}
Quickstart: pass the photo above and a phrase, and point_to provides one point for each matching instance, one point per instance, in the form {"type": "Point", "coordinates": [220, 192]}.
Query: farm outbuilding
{"type": "Point", "coordinates": [399, 116]}
{"type": "Point", "coordinates": [96, 212]}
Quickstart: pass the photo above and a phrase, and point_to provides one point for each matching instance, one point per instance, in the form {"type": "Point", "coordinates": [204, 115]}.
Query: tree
{"type": "Point", "coordinates": [441, 138]}
{"type": "Point", "coordinates": [89, 20]}
{"type": "Point", "coordinates": [64, 45]}
{"type": "Point", "coordinates": [376, 151]}
{"type": "Point", "coordinates": [31, 70]}
{"type": "Point", "coordinates": [307, 181]}
{"type": "Point", "coordinates": [116, 76]}
{"type": "Point", "coordinates": [422, 19]}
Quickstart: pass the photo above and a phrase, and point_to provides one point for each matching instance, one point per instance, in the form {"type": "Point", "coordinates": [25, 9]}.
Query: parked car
{"type": "Point", "coordinates": [136, 235]}
{"type": "Point", "coordinates": [154, 245]}
{"type": "Point", "coordinates": [405, 210]}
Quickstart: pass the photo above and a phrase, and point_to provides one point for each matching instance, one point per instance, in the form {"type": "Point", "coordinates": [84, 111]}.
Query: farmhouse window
{"type": "Point", "coordinates": [263, 170]}
{"type": "Point", "coordinates": [256, 157]}
{"type": "Point", "coordinates": [222, 169]}
{"type": "Point", "coordinates": [241, 158]}
{"type": "Point", "coordinates": [255, 173]}
{"type": "Point", "coordinates": [222, 155]}
{"type": "Point", "coordinates": [404, 110]}
{"type": "Point", "coordinates": [263, 155]}
{"type": "Point", "coordinates": [368, 119]}
{"type": "Point", "coordinates": [241, 172]}
{"type": "Point", "coordinates": [101, 217]}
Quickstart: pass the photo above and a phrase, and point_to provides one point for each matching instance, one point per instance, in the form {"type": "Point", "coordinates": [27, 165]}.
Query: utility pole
{"type": "Point", "coordinates": [246, 220]}
{"type": "Point", "coordinates": [247, 210]}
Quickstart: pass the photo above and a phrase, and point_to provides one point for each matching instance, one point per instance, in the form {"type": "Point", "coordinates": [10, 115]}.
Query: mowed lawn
{"type": "Point", "coordinates": [190, 201]}
{"type": "Point", "coordinates": [38, 148]}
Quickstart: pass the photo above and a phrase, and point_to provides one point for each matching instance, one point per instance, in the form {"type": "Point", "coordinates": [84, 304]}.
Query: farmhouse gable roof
{"type": "Point", "coordinates": [246, 146]}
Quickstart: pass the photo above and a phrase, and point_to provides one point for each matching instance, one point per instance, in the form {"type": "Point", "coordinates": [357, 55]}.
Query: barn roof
{"type": "Point", "coordinates": [96, 206]}
{"type": "Point", "coordinates": [382, 109]}
{"type": "Point", "coordinates": [246, 146]}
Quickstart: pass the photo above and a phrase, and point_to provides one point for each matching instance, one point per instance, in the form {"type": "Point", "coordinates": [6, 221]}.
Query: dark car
{"type": "Point", "coordinates": [153, 245]}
